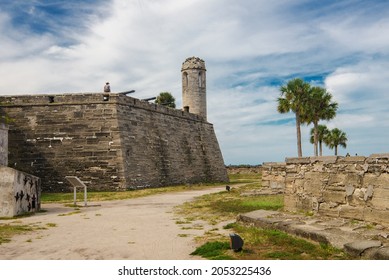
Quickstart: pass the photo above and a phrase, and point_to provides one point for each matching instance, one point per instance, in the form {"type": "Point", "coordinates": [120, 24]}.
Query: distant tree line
{"type": "Point", "coordinates": [311, 104]}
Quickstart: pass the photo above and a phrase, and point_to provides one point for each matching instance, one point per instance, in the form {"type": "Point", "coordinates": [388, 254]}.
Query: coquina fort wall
{"type": "Point", "coordinates": [115, 142]}
{"type": "Point", "coordinates": [354, 187]}
{"type": "Point", "coordinates": [109, 140]}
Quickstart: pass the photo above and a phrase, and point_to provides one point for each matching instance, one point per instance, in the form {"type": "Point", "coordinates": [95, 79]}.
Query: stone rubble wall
{"type": "Point", "coordinates": [110, 141]}
{"type": "Point", "coordinates": [273, 175]}
{"type": "Point", "coordinates": [354, 187]}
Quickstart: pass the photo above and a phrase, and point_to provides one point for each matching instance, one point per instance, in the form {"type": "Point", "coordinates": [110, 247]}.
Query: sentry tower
{"type": "Point", "coordinates": [194, 86]}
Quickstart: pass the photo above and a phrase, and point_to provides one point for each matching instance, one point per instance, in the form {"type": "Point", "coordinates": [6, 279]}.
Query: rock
{"type": "Point", "coordinates": [349, 190]}
{"type": "Point", "coordinates": [357, 248]}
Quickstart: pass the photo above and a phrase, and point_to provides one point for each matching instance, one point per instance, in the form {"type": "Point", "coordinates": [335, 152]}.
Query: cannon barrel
{"type": "Point", "coordinates": [126, 92]}
{"type": "Point", "coordinates": [150, 98]}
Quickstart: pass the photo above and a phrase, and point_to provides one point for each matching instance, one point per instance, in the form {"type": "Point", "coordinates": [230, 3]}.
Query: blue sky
{"type": "Point", "coordinates": [250, 47]}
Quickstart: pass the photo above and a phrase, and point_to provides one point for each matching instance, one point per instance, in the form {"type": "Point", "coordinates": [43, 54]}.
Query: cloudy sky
{"type": "Point", "coordinates": [250, 47]}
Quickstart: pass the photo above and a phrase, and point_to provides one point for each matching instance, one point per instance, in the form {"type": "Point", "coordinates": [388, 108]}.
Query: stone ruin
{"type": "Point", "coordinates": [355, 187]}
{"type": "Point", "coordinates": [19, 192]}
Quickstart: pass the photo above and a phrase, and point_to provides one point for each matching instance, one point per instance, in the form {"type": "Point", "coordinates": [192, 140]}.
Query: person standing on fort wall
{"type": "Point", "coordinates": [107, 87]}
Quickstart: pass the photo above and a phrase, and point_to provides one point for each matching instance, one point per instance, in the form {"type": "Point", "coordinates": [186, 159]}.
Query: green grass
{"type": "Point", "coordinates": [215, 250]}
{"type": "Point", "coordinates": [244, 178]}
{"type": "Point", "coordinates": [222, 206]}
{"type": "Point", "coordinates": [268, 244]}
{"type": "Point", "coordinates": [7, 231]}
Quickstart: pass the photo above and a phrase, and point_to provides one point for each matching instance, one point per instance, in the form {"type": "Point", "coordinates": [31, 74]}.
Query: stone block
{"type": "Point", "coordinates": [357, 198]}
{"type": "Point", "coordinates": [380, 179]}
{"type": "Point", "coordinates": [380, 198]}
{"type": "Point", "coordinates": [353, 179]}
{"type": "Point", "coordinates": [280, 184]}
{"type": "Point", "coordinates": [350, 212]}
{"type": "Point", "coordinates": [334, 196]}
{"type": "Point", "coordinates": [20, 192]}
{"type": "Point", "coordinates": [352, 159]}
{"type": "Point", "coordinates": [378, 158]}
{"type": "Point", "coordinates": [290, 203]}
{"type": "Point", "coordinates": [328, 209]}
{"type": "Point", "coordinates": [324, 159]}
{"type": "Point", "coordinates": [265, 183]}
{"type": "Point", "coordinates": [337, 179]}
{"type": "Point", "coordinates": [349, 190]}
{"type": "Point", "coordinates": [379, 216]}
{"type": "Point", "coordinates": [294, 160]}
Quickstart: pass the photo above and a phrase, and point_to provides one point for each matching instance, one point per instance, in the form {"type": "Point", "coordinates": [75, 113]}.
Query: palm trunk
{"type": "Point", "coordinates": [299, 149]}
{"type": "Point", "coordinates": [321, 148]}
{"type": "Point", "coordinates": [315, 138]}
{"type": "Point", "coordinates": [336, 150]}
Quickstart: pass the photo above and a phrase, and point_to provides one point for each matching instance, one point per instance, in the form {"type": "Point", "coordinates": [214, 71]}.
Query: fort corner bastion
{"type": "Point", "coordinates": [112, 141]}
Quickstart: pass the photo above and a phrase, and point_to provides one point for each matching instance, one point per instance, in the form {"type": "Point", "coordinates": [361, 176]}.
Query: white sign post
{"type": "Point", "coordinates": [77, 183]}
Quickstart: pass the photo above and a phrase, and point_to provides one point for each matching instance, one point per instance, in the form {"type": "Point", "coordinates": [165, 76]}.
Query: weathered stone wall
{"type": "Point", "coordinates": [350, 187]}
{"type": "Point", "coordinates": [273, 175]}
{"type": "Point", "coordinates": [110, 141]}
{"type": "Point", "coordinates": [3, 144]}
{"type": "Point", "coordinates": [19, 192]}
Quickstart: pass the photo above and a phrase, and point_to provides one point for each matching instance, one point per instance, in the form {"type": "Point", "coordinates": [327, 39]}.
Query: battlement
{"type": "Point", "coordinates": [55, 100]}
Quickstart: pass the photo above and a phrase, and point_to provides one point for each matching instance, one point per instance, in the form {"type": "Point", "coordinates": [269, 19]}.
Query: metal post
{"type": "Point", "coordinates": [75, 196]}
{"type": "Point", "coordinates": [85, 196]}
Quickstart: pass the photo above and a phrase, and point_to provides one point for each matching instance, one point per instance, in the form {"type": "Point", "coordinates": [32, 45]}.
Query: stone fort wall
{"type": "Point", "coordinates": [3, 144]}
{"type": "Point", "coordinates": [354, 187]}
{"type": "Point", "coordinates": [110, 141]}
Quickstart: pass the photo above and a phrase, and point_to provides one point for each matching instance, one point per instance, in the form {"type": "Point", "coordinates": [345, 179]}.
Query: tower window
{"type": "Point", "coordinates": [185, 79]}
{"type": "Point", "coordinates": [200, 79]}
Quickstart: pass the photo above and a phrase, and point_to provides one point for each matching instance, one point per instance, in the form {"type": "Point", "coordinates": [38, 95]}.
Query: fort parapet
{"type": "Point", "coordinates": [110, 141]}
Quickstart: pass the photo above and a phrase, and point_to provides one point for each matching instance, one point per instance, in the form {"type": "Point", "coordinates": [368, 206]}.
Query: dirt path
{"type": "Point", "coordinates": [139, 229]}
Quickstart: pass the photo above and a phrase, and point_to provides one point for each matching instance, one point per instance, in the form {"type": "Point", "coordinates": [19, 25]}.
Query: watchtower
{"type": "Point", "coordinates": [194, 86]}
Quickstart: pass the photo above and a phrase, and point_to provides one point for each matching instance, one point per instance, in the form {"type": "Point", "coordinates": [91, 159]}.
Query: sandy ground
{"type": "Point", "coordinates": [138, 229]}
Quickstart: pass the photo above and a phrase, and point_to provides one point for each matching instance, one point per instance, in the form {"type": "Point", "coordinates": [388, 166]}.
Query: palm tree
{"type": "Point", "coordinates": [293, 97]}
{"type": "Point", "coordinates": [319, 107]}
{"type": "Point", "coordinates": [336, 138]}
{"type": "Point", "coordinates": [322, 132]}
